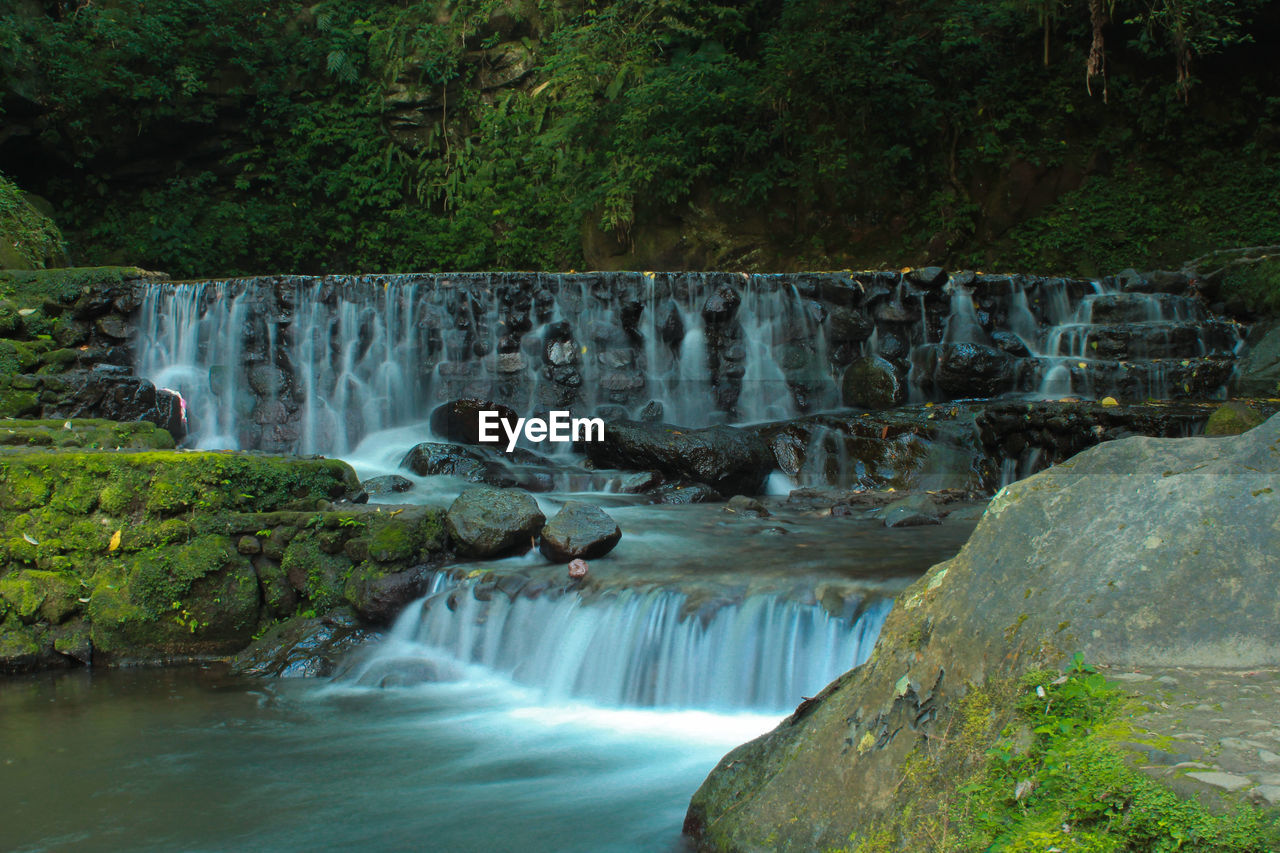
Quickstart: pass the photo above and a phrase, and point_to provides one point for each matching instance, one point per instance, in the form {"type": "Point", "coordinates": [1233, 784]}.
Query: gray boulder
{"type": "Point", "coordinates": [1139, 552]}
{"type": "Point", "coordinates": [727, 459]}
{"type": "Point", "coordinates": [488, 522]}
{"type": "Point", "coordinates": [579, 530]}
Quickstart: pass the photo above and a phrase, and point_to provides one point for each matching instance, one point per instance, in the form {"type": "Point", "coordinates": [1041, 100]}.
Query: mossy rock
{"type": "Point", "coordinates": [28, 238]}
{"type": "Point", "coordinates": [318, 576]}
{"type": "Point", "coordinates": [1232, 418]}
{"type": "Point", "coordinates": [146, 537]}
{"type": "Point", "coordinates": [40, 595]}
{"type": "Point", "coordinates": [197, 600]}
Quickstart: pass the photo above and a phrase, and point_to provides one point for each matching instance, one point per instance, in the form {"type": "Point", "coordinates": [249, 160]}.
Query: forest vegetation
{"type": "Point", "coordinates": [218, 137]}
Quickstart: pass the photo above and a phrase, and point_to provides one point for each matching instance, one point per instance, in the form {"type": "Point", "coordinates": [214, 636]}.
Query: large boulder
{"type": "Point", "coordinates": [727, 459]}
{"type": "Point", "coordinates": [579, 530]}
{"type": "Point", "coordinates": [459, 420]}
{"type": "Point", "coordinates": [431, 458]}
{"type": "Point", "coordinates": [1139, 552]}
{"type": "Point", "coordinates": [488, 522]}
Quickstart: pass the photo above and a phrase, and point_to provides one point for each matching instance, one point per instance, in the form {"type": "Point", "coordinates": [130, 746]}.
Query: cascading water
{"type": "Point", "coordinates": [648, 649]}
{"type": "Point", "coordinates": [300, 364]}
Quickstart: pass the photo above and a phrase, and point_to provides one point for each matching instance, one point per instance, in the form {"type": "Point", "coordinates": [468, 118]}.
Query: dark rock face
{"type": "Point", "coordinates": [488, 522]}
{"type": "Point", "coordinates": [1146, 552]}
{"type": "Point", "coordinates": [724, 458]}
{"type": "Point", "coordinates": [684, 493]}
{"type": "Point", "coordinates": [578, 530]}
{"type": "Point", "coordinates": [459, 420]}
{"type": "Point", "coordinates": [378, 598]}
{"type": "Point", "coordinates": [871, 383]}
{"type": "Point", "coordinates": [429, 458]}
{"type": "Point", "coordinates": [968, 370]}
{"type": "Point", "coordinates": [310, 648]}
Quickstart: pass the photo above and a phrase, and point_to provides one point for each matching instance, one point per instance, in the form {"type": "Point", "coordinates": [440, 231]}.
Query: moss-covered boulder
{"type": "Point", "coordinates": [123, 556]}
{"type": "Point", "coordinates": [1232, 418]}
{"type": "Point", "coordinates": [1139, 552]}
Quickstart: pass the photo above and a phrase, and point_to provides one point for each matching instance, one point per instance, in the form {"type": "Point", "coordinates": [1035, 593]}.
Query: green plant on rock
{"type": "Point", "coordinates": [1034, 765]}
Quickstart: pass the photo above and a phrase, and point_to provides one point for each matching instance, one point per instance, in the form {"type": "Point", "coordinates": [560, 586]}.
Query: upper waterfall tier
{"type": "Point", "coordinates": [314, 364]}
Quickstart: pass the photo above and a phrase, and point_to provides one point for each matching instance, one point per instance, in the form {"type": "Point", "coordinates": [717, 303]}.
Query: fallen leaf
{"type": "Point", "coordinates": [115, 541]}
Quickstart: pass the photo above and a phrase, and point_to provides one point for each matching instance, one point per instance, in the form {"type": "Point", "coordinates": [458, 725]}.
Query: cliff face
{"type": "Point", "coordinates": [1138, 553]}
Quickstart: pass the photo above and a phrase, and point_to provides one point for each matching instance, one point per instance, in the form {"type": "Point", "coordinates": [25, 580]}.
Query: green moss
{"type": "Point", "coordinates": [1036, 764]}
{"type": "Point", "coordinates": [32, 288]}
{"type": "Point", "coordinates": [321, 576]}
{"type": "Point", "coordinates": [28, 238]}
{"type": "Point", "coordinates": [1232, 419]}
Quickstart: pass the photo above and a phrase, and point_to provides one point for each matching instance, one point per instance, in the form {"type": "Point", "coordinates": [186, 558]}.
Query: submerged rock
{"type": "Point", "coordinates": [1137, 553]}
{"type": "Point", "coordinates": [578, 530]}
{"type": "Point", "coordinates": [488, 522]}
{"type": "Point", "coordinates": [724, 458]}
{"type": "Point", "coordinates": [912, 511]}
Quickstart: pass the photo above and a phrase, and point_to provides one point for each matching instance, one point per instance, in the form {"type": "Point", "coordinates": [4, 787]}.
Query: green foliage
{"type": "Point", "coordinates": [28, 238]}
{"type": "Point", "coordinates": [363, 136]}
{"type": "Point", "coordinates": [1036, 765]}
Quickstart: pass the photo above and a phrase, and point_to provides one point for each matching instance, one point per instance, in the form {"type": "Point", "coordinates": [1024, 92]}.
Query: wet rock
{"type": "Point", "coordinates": [432, 459]}
{"type": "Point", "coordinates": [634, 484]}
{"type": "Point", "coordinates": [912, 511]}
{"type": "Point", "coordinates": [488, 522]}
{"type": "Point", "coordinates": [871, 382]}
{"type": "Point", "coordinates": [114, 327]}
{"type": "Point", "coordinates": [378, 598]}
{"type": "Point", "coordinates": [578, 569]}
{"type": "Point", "coordinates": [931, 277]}
{"type": "Point", "coordinates": [746, 507]}
{"type": "Point", "coordinates": [684, 493]}
{"type": "Point", "coordinates": [578, 530]}
{"type": "Point", "coordinates": [721, 306]}
{"type": "Point", "coordinates": [1010, 343]}
{"type": "Point", "coordinates": [303, 647]}
{"type": "Point", "coordinates": [459, 420]}
{"type": "Point", "coordinates": [966, 370]}
{"type": "Point", "coordinates": [387, 484]}
{"type": "Point", "coordinates": [724, 458]}
{"type": "Point", "coordinates": [652, 412]}
{"type": "Point", "coordinates": [671, 326]}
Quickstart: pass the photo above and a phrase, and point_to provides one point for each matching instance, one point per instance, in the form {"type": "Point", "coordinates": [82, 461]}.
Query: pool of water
{"type": "Point", "coordinates": [191, 759]}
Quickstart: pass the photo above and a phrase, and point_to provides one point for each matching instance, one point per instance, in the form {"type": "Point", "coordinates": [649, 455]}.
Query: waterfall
{"type": "Point", "coordinates": [319, 364]}
{"type": "Point", "coordinates": [653, 648]}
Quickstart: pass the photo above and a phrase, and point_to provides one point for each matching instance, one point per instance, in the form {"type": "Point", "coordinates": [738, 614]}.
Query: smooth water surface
{"type": "Point", "coordinates": [188, 759]}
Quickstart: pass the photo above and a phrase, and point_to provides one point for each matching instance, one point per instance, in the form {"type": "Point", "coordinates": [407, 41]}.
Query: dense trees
{"type": "Point", "coordinates": [207, 136]}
